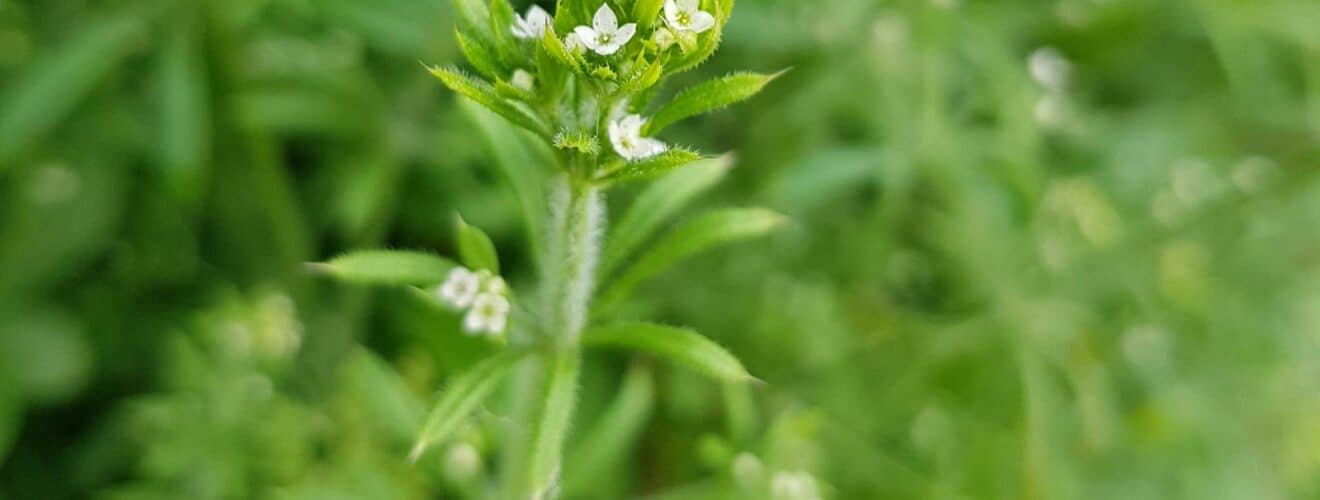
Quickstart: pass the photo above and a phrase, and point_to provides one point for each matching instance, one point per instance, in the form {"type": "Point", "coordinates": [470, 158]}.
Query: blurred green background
{"type": "Point", "coordinates": [1041, 250]}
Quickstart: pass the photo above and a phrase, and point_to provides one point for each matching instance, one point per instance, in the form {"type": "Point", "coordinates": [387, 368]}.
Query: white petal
{"type": "Point", "coordinates": [625, 33]}
{"type": "Point", "coordinates": [495, 325]}
{"type": "Point", "coordinates": [609, 48]}
{"type": "Point", "coordinates": [587, 36]}
{"type": "Point", "coordinates": [474, 322]}
{"type": "Point", "coordinates": [671, 12]}
{"type": "Point", "coordinates": [701, 21]}
{"type": "Point", "coordinates": [632, 125]}
{"type": "Point", "coordinates": [573, 42]}
{"type": "Point", "coordinates": [605, 20]}
{"type": "Point", "coordinates": [689, 5]}
{"type": "Point", "coordinates": [537, 15]}
{"type": "Point", "coordinates": [654, 147]}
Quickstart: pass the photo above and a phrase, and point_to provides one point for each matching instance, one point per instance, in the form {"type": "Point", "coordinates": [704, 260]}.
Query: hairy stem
{"type": "Point", "coordinates": [546, 388]}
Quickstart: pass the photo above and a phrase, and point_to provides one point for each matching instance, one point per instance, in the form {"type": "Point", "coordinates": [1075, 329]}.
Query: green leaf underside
{"type": "Point", "coordinates": [387, 267]}
{"type": "Point", "coordinates": [462, 395]}
{"type": "Point", "coordinates": [654, 206]}
{"type": "Point", "coordinates": [706, 97]}
{"type": "Point", "coordinates": [679, 345]}
{"type": "Point", "coordinates": [475, 248]}
{"type": "Point", "coordinates": [695, 236]}
{"type": "Point", "coordinates": [653, 166]}
{"type": "Point", "coordinates": [482, 93]}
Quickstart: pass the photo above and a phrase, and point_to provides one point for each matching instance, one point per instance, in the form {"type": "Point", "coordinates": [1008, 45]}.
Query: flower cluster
{"type": "Point", "coordinates": [683, 20]}
{"type": "Point", "coordinates": [482, 294]}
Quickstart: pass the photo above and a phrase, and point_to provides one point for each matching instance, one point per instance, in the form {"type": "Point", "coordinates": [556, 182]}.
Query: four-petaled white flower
{"type": "Point", "coordinates": [686, 15]}
{"type": "Point", "coordinates": [605, 36]}
{"type": "Point", "coordinates": [459, 288]}
{"type": "Point", "coordinates": [533, 26]}
{"type": "Point", "coordinates": [626, 135]}
{"type": "Point", "coordinates": [489, 314]}
{"type": "Point", "coordinates": [484, 297]}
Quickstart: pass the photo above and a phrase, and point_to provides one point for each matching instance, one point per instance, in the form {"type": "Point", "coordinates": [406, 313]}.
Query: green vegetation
{"type": "Point", "coordinates": [960, 250]}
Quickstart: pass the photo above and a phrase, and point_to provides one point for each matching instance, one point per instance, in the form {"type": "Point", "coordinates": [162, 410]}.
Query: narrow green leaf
{"type": "Point", "coordinates": [387, 267]}
{"type": "Point", "coordinates": [482, 93]}
{"type": "Point", "coordinates": [680, 345]}
{"type": "Point", "coordinates": [706, 231]}
{"type": "Point", "coordinates": [389, 400]}
{"type": "Point", "coordinates": [612, 436]}
{"type": "Point", "coordinates": [572, 13]}
{"type": "Point", "coordinates": [552, 423]}
{"type": "Point", "coordinates": [185, 134]}
{"type": "Point", "coordinates": [475, 248]}
{"type": "Point", "coordinates": [473, 18]}
{"type": "Point", "coordinates": [551, 76]}
{"type": "Point", "coordinates": [501, 24]}
{"type": "Point", "coordinates": [708, 96]}
{"type": "Point", "coordinates": [644, 78]}
{"type": "Point", "coordinates": [461, 397]}
{"type": "Point", "coordinates": [555, 48]}
{"type": "Point", "coordinates": [479, 56]}
{"type": "Point", "coordinates": [654, 206]}
{"type": "Point", "coordinates": [656, 165]}
{"type": "Point", "coordinates": [51, 90]}
{"type": "Point", "coordinates": [518, 165]}
{"type": "Point", "coordinates": [647, 11]}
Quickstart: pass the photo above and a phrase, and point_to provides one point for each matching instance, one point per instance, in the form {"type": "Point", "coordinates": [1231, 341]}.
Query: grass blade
{"type": "Point", "coordinates": [53, 89]}
{"type": "Point", "coordinates": [461, 397]}
{"type": "Point", "coordinates": [660, 201]}
{"type": "Point", "coordinates": [679, 345]}
{"type": "Point", "coordinates": [611, 438]}
{"type": "Point", "coordinates": [709, 230]}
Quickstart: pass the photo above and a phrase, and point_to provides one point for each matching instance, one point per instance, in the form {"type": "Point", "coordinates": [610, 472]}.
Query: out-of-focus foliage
{"type": "Point", "coordinates": [1053, 250]}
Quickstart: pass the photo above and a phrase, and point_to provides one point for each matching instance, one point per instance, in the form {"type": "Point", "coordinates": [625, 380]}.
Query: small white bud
{"type": "Point", "coordinates": [462, 462]}
{"type": "Point", "coordinates": [747, 470]}
{"type": "Point", "coordinates": [1049, 68]}
{"type": "Point", "coordinates": [523, 80]}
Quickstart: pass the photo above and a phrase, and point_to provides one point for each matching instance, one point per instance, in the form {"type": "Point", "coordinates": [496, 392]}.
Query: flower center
{"type": "Point", "coordinates": [604, 39]}
{"type": "Point", "coordinates": [684, 18]}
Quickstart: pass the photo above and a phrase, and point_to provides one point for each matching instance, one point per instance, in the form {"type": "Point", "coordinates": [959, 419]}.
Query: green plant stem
{"type": "Point", "coordinates": [546, 386]}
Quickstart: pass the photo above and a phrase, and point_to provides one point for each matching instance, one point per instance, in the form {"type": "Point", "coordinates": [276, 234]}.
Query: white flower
{"type": "Point", "coordinates": [495, 285]}
{"type": "Point", "coordinates": [686, 15]}
{"type": "Point", "coordinates": [489, 314]}
{"type": "Point", "coordinates": [626, 135]}
{"type": "Point", "coordinates": [1049, 68]}
{"type": "Point", "coordinates": [533, 26]}
{"type": "Point", "coordinates": [573, 43]}
{"type": "Point", "coordinates": [605, 36]}
{"type": "Point", "coordinates": [794, 486]}
{"type": "Point", "coordinates": [459, 288]}
{"type": "Point", "coordinates": [522, 80]}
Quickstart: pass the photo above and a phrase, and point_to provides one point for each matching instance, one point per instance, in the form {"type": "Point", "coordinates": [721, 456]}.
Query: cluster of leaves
{"type": "Point", "coordinates": [573, 94]}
